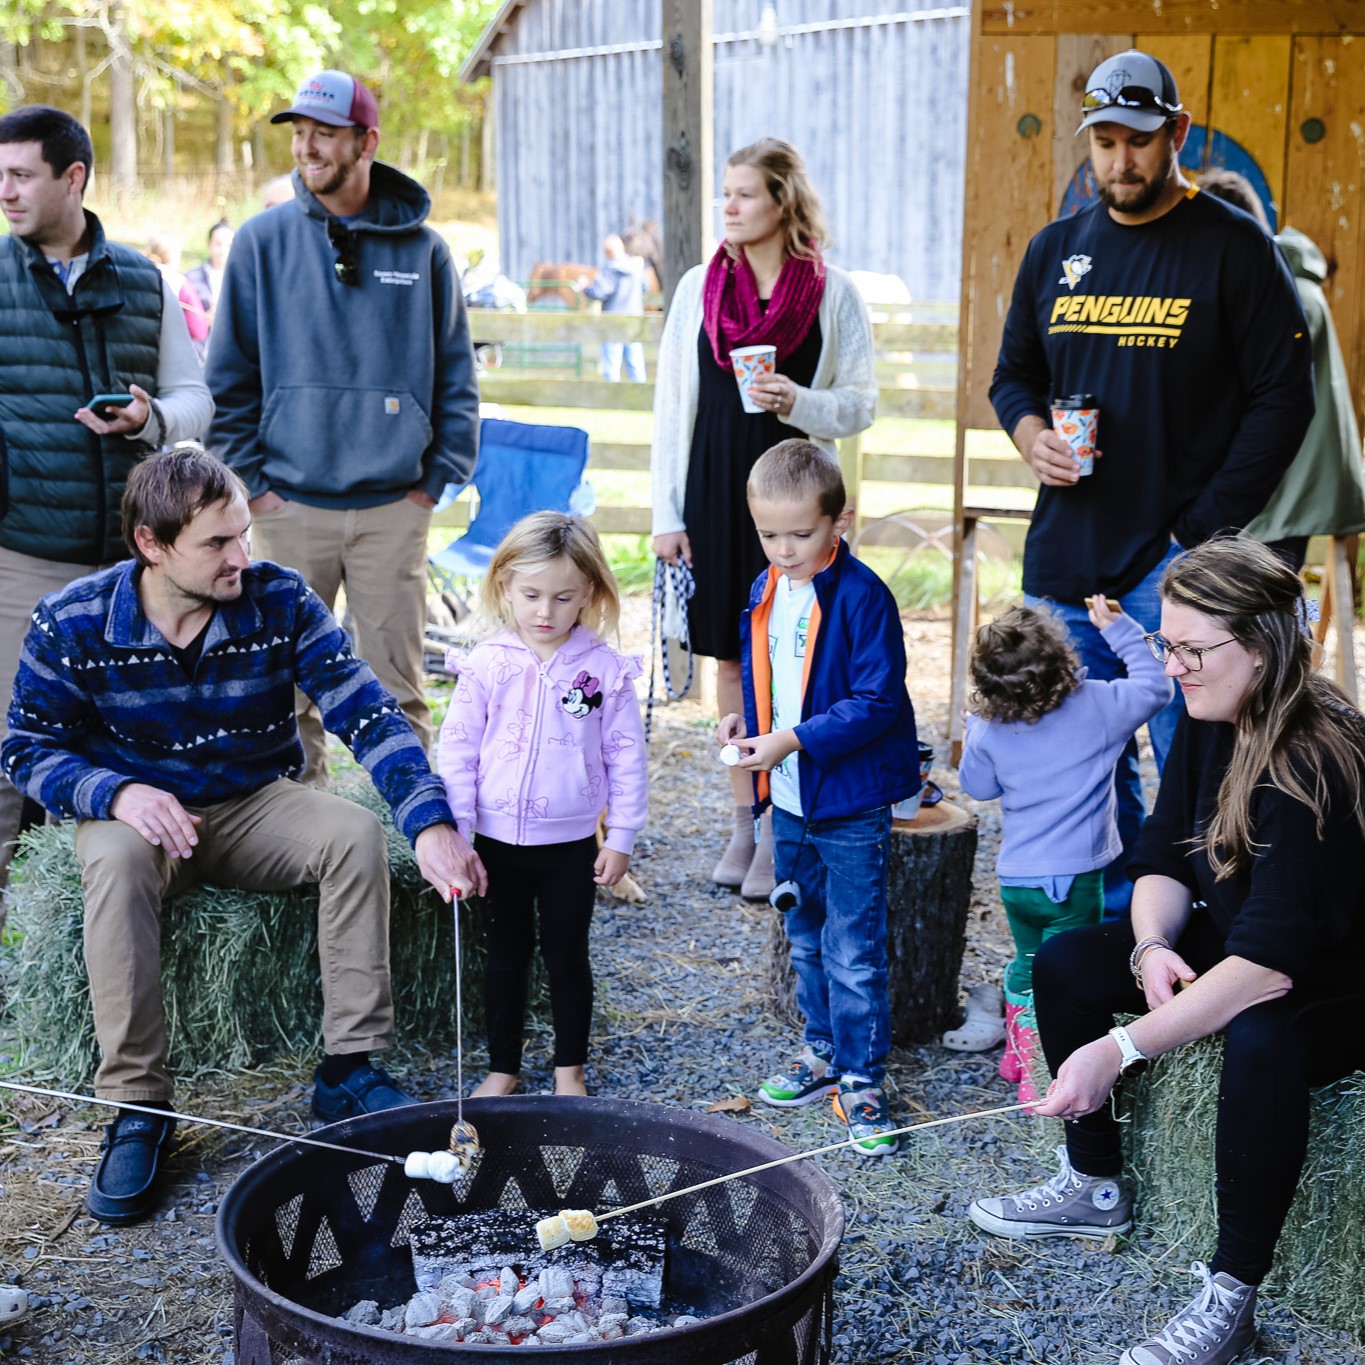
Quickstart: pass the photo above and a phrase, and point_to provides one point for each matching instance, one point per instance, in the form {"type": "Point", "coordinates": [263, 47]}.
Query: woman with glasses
{"type": "Point", "coordinates": [1246, 920]}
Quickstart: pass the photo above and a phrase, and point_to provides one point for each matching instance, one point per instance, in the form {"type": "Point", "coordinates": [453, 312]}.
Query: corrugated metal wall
{"type": "Point", "coordinates": [879, 113]}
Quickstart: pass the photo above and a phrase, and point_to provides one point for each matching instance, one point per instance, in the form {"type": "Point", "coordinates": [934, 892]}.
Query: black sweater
{"type": "Point", "coordinates": [1189, 332]}
{"type": "Point", "coordinates": [1299, 908]}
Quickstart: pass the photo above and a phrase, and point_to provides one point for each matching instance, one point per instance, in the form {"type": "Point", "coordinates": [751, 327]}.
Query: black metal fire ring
{"type": "Point", "coordinates": [304, 1224]}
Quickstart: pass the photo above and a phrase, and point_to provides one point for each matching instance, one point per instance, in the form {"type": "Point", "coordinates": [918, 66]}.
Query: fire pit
{"type": "Point", "coordinates": [308, 1233]}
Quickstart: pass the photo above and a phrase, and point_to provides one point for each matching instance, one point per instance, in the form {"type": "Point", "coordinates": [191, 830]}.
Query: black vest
{"type": "Point", "coordinates": [60, 484]}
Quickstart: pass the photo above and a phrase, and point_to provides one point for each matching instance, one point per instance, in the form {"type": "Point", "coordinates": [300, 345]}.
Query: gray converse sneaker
{"type": "Point", "coordinates": [1214, 1330]}
{"type": "Point", "coordinates": [1068, 1205]}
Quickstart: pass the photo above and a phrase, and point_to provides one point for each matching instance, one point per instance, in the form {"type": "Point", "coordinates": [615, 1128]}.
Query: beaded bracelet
{"type": "Point", "coordinates": [1140, 950]}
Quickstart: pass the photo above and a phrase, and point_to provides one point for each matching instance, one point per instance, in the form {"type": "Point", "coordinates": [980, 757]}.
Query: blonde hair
{"type": "Point", "coordinates": [1293, 727]}
{"type": "Point", "coordinates": [1022, 667]}
{"type": "Point", "coordinates": [784, 173]}
{"type": "Point", "coordinates": [536, 541]}
{"type": "Point", "coordinates": [794, 470]}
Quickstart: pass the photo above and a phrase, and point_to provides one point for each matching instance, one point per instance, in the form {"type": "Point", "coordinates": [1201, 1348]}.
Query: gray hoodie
{"type": "Point", "coordinates": [335, 394]}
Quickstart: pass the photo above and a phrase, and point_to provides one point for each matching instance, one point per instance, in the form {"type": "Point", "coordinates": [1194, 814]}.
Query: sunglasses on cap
{"type": "Point", "coordinates": [344, 243]}
{"type": "Point", "coordinates": [1127, 97]}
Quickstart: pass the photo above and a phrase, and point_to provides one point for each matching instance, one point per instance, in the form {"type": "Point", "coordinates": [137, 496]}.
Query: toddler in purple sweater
{"type": "Point", "coordinates": [1044, 739]}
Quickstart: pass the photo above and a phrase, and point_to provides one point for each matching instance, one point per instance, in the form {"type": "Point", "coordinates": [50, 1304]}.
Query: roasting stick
{"type": "Point", "coordinates": [462, 1132]}
{"type": "Point", "coordinates": [195, 1118]}
{"type": "Point", "coordinates": [818, 1151]}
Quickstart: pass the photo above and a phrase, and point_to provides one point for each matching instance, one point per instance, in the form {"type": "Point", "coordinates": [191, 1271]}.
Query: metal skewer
{"type": "Point", "coordinates": [817, 1151]}
{"type": "Point", "coordinates": [196, 1118]}
{"type": "Point", "coordinates": [462, 1134]}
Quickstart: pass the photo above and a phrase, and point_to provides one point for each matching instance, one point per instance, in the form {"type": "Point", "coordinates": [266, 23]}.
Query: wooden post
{"type": "Point", "coordinates": [688, 120]}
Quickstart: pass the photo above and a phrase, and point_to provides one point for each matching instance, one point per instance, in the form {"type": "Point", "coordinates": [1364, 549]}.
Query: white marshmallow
{"type": "Point", "coordinates": [416, 1166]}
{"type": "Point", "coordinates": [443, 1167]}
{"type": "Point", "coordinates": [730, 755]}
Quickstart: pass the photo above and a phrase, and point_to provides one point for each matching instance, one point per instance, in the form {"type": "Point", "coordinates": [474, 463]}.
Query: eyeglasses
{"type": "Point", "coordinates": [1189, 657]}
{"type": "Point", "coordinates": [1127, 97]}
{"type": "Point", "coordinates": [345, 245]}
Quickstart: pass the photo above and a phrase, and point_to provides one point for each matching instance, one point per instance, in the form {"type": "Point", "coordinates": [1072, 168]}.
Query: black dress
{"type": "Point", "coordinates": [726, 444]}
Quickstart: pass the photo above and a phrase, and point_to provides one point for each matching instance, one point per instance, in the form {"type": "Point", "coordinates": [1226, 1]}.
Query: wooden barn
{"type": "Point", "coordinates": [874, 100]}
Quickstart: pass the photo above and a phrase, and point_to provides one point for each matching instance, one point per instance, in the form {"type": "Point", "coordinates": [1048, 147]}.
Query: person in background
{"type": "Point", "coordinates": [80, 316]}
{"type": "Point", "coordinates": [344, 376]}
{"type": "Point", "coordinates": [1044, 739]}
{"type": "Point", "coordinates": [1323, 491]}
{"type": "Point", "coordinates": [165, 250]}
{"type": "Point", "coordinates": [203, 283]}
{"type": "Point", "coordinates": [1246, 922]}
{"type": "Point", "coordinates": [768, 283]}
{"type": "Point", "coordinates": [620, 288]}
{"type": "Point", "coordinates": [277, 191]}
{"type": "Point", "coordinates": [1180, 319]}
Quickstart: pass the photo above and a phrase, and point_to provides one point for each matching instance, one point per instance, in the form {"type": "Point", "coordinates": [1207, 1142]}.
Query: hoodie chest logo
{"type": "Point", "coordinates": [405, 278]}
{"type": "Point", "coordinates": [583, 697]}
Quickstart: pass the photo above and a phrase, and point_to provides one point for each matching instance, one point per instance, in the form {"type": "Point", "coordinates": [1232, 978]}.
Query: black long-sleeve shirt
{"type": "Point", "coordinates": [1299, 907]}
{"type": "Point", "coordinates": [1188, 331]}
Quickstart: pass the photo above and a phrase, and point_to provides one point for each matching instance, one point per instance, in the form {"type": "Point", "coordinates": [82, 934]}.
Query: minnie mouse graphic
{"type": "Point", "coordinates": [584, 696]}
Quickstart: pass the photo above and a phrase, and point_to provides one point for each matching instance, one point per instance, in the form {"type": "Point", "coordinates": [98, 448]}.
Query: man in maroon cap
{"type": "Point", "coordinates": [344, 378]}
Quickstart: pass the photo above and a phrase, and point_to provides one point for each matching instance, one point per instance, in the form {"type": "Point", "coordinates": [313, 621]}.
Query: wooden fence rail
{"type": "Point", "coordinates": [916, 366]}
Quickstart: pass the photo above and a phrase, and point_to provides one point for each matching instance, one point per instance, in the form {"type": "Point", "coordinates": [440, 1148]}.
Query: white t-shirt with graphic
{"type": "Point", "coordinates": [788, 627]}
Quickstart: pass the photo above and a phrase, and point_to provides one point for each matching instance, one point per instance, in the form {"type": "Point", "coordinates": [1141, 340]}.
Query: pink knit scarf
{"type": "Point", "coordinates": [733, 317]}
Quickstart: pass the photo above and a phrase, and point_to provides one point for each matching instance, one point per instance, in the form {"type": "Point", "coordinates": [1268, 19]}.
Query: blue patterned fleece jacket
{"type": "Point", "coordinates": [100, 701]}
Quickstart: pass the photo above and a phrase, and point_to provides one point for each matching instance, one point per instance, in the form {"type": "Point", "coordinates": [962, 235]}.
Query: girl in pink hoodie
{"type": "Point", "coordinates": [542, 734]}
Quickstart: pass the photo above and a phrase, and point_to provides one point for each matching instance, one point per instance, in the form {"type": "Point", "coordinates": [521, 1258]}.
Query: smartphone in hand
{"type": "Point", "coordinates": [104, 405]}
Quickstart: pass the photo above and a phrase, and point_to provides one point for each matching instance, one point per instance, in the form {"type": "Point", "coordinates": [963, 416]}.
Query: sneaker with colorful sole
{"type": "Point", "coordinates": [863, 1108]}
{"type": "Point", "coordinates": [808, 1077]}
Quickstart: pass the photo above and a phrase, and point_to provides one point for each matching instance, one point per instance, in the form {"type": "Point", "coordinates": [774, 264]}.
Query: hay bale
{"type": "Point", "coordinates": [239, 968]}
{"type": "Point", "coordinates": [1320, 1262]}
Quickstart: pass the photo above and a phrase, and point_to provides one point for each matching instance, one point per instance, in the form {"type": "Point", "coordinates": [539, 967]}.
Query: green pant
{"type": "Point", "coordinates": [1035, 916]}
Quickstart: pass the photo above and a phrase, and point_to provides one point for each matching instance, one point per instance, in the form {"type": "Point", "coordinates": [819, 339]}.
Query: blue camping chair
{"type": "Point", "coordinates": [521, 469]}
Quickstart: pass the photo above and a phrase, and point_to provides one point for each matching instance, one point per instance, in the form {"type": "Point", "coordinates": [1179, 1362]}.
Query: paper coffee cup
{"type": "Point", "coordinates": [1077, 421]}
{"type": "Point", "coordinates": [750, 363]}
{"type": "Point", "coordinates": [909, 808]}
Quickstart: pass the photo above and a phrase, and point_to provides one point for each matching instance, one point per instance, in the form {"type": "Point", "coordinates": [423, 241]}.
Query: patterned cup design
{"type": "Point", "coordinates": [909, 808]}
{"type": "Point", "coordinates": [751, 362]}
{"type": "Point", "coordinates": [1077, 422]}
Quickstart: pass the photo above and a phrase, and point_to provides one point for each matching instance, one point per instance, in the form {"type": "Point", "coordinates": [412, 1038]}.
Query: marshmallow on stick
{"type": "Point", "coordinates": [577, 1225]}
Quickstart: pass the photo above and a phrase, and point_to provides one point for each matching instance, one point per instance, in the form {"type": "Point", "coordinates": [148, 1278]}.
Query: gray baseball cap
{"type": "Point", "coordinates": [1133, 89]}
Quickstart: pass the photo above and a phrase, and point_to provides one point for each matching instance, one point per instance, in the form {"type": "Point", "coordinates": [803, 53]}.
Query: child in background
{"type": "Point", "coordinates": [832, 744]}
{"type": "Point", "coordinates": [543, 731]}
{"type": "Point", "coordinates": [1045, 740]}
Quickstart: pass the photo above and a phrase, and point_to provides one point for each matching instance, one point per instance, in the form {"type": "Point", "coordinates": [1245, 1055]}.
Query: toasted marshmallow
{"type": "Point", "coordinates": [552, 1232]}
{"type": "Point", "coordinates": [581, 1224]}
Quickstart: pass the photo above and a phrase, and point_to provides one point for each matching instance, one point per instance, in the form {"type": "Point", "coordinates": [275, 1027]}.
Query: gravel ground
{"type": "Point", "coordinates": [681, 1021]}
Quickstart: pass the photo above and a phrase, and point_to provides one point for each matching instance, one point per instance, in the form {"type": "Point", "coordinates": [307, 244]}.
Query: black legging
{"type": "Point", "coordinates": [552, 882]}
{"type": "Point", "coordinates": [1272, 1055]}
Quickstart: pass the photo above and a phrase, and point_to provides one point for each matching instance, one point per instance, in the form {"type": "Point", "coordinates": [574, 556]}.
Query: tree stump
{"type": "Point", "coordinates": [929, 891]}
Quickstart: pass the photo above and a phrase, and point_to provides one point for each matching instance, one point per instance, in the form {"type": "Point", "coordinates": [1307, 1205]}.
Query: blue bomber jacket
{"type": "Point", "coordinates": [100, 701]}
{"type": "Point", "coordinates": [859, 748]}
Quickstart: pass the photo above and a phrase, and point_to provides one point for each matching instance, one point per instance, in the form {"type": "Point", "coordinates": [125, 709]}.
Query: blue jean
{"type": "Point", "coordinates": [632, 353]}
{"type": "Point", "coordinates": [838, 934]}
{"type": "Point", "coordinates": [1143, 604]}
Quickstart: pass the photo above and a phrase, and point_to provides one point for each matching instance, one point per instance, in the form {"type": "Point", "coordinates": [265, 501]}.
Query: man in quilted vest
{"type": "Point", "coordinates": [79, 316]}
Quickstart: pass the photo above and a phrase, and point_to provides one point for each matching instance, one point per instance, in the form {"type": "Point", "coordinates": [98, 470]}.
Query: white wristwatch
{"type": "Point", "coordinates": [1132, 1054]}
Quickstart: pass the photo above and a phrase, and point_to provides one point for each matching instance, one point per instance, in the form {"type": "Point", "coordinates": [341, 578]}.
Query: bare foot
{"type": "Point", "coordinates": [569, 1081]}
{"type": "Point", "coordinates": [495, 1083]}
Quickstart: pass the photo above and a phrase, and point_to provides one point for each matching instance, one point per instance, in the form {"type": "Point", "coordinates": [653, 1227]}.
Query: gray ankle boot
{"type": "Point", "coordinates": [739, 852]}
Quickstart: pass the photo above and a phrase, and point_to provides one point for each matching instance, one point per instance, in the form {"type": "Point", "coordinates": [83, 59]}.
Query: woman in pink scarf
{"type": "Point", "coordinates": [767, 284]}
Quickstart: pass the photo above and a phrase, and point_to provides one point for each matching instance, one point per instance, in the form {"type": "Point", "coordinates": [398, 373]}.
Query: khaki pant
{"type": "Point", "coordinates": [380, 554]}
{"type": "Point", "coordinates": [282, 836]}
{"type": "Point", "coordinates": [24, 581]}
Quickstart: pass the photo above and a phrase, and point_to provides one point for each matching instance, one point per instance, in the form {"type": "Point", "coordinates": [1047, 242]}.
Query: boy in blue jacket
{"type": "Point", "coordinates": [830, 735]}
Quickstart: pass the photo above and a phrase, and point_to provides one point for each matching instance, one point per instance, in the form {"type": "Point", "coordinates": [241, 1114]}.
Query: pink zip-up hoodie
{"type": "Point", "coordinates": [532, 752]}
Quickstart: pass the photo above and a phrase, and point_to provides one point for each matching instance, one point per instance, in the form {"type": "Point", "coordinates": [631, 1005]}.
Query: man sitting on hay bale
{"type": "Point", "coordinates": [155, 704]}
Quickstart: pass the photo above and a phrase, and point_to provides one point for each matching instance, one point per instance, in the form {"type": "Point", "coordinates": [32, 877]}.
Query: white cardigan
{"type": "Point", "coordinates": [841, 401]}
